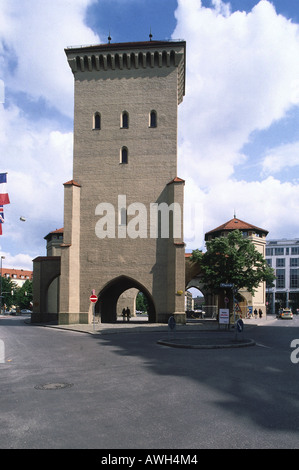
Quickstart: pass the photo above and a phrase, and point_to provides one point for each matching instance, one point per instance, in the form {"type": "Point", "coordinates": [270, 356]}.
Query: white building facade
{"type": "Point", "coordinates": [283, 256]}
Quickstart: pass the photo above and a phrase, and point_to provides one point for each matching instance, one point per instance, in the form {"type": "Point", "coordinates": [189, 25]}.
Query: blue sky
{"type": "Point", "coordinates": [238, 141]}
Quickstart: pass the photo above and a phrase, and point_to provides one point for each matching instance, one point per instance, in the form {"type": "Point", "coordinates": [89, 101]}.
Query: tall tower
{"type": "Point", "coordinates": [123, 214]}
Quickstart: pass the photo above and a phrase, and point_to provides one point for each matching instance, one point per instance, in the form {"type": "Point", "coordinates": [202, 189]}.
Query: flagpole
{"type": "Point", "coordinates": [2, 257]}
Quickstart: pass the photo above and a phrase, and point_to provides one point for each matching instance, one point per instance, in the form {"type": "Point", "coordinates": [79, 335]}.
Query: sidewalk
{"type": "Point", "coordinates": [199, 334]}
{"type": "Point", "coordinates": [136, 325]}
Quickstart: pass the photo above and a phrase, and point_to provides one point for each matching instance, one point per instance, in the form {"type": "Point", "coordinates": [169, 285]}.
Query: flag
{"type": "Point", "coordinates": [1, 218]}
{"type": "Point", "coordinates": [4, 198]}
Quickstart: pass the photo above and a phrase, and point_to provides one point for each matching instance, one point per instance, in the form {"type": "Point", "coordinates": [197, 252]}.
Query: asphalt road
{"type": "Point", "coordinates": [67, 390]}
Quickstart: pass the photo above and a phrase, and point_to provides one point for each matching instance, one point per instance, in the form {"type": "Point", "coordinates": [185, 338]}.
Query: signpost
{"type": "Point", "coordinates": [224, 316]}
{"type": "Point", "coordinates": [240, 325]}
{"type": "Point", "coordinates": [93, 299]}
{"type": "Point", "coordinates": [232, 287]}
{"type": "Point", "coordinates": [171, 325]}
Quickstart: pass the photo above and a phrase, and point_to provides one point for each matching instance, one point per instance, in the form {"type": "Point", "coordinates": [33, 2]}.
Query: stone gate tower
{"type": "Point", "coordinates": [123, 212]}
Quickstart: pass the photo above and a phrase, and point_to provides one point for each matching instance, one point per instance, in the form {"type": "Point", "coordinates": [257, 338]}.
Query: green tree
{"type": "Point", "coordinates": [141, 302]}
{"type": "Point", "coordinates": [233, 260]}
{"type": "Point", "coordinates": [8, 290]}
{"type": "Point", "coordinates": [23, 295]}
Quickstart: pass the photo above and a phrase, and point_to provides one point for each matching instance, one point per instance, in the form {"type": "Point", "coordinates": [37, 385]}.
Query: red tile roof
{"type": "Point", "coordinates": [17, 273]}
{"type": "Point", "coordinates": [72, 183]}
{"type": "Point", "coordinates": [236, 224]}
{"type": "Point", "coordinates": [60, 230]}
{"type": "Point", "coordinates": [176, 180]}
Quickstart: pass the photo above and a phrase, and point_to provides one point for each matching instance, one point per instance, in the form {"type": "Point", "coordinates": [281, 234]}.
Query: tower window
{"type": "Point", "coordinates": [124, 155]}
{"type": "Point", "coordinates": [125, 120]}
{"type": "Point", "coordinates": [97, 121]}
{"type": "Point", "coordinates": [123, 216]}
{"type": "Point", "coordinates": [153, 119]}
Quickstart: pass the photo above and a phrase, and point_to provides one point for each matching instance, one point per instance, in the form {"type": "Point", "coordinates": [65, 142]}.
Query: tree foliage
{"type": "Point", "coordinates": [232, 259]}
{"type": "Point", "coordinates": [141, 302]}
{"type": "Point", "coordinates": [14, 295]}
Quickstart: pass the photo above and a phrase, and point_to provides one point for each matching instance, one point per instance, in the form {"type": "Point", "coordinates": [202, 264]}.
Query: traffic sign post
{"type": "Point", "coordinates": [240, 325]}
{"type": "Point", "coordinates": [224, 316]}
{"type": "Point", "coordinates": [93, 299]}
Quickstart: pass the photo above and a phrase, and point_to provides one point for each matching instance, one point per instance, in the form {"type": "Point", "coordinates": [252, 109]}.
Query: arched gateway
{"type": "Point", "coordinates": [123, 208]}
{"type": "Point", "coordinates": [109, 295]}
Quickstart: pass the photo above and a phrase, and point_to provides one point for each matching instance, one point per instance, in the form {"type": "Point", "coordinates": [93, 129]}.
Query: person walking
{"type": "Point", "coordinates": [128, 313]}
{"type": "Point", "coordinates": [260, 313]}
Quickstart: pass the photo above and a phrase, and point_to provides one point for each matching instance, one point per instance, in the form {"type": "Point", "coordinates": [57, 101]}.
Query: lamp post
{"type": "Point", "coordinates": [1, 296]}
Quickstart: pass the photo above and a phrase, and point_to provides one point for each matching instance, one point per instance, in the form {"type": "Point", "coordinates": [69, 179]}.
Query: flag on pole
{"type": "Point", "coordinates": [4, 198]}
{"type": "Point", "coordinates": [1, 218]}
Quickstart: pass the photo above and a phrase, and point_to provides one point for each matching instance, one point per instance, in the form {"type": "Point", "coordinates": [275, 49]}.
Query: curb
{"type": "Point", "coordinates": [237, 344]}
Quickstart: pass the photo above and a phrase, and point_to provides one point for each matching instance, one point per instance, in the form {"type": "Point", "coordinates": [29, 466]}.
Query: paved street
{"type": "Point", "coordinates": [67, 389]}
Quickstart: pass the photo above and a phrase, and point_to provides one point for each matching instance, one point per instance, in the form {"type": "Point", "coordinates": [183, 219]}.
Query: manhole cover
{"type": "Point", "coordinates": [53, 386]}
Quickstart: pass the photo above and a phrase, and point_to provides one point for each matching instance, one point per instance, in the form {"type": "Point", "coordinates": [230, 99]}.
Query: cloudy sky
{"type": "Point", "coordinates": [238, 138]}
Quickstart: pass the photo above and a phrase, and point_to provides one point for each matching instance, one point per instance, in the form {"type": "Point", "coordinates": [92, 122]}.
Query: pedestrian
{"type": "Point", "coordinates": [260, 313]}
{"type": "Point", "coordinates": [255, 313]}
{"type": "Point", "coordinates": [128, 313]}
{"type": "Point", "coordinates": [124, 313]}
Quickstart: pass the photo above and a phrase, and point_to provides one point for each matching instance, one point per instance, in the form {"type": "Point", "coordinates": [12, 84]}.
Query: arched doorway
{"type": "Point", "coordinates": [52, 297]}
{"type": "Point", "coordinates": [106, 306]}
{"type": "Point", "coordinates": [205, 305]}
{"type": "Point", "coordinates": [241, 306]}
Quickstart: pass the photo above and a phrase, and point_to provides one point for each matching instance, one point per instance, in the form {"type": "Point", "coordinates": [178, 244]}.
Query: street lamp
{"type": "Point", "coordinates": [1, 296]}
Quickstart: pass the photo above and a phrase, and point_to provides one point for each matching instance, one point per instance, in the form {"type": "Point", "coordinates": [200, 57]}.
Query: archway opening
{"type": "Point", "coordinates": [142, 306]}
{"type": "Point", "coordinates": [109, 307]}
{"type": "Point", "coordinates": [194, 303]}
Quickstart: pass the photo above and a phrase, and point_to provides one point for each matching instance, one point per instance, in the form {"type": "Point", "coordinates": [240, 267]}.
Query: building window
{"type": "Point", "coordinates": [269, 262]}
{"type": "Point", "coordinates": [124, 155]}
{"type": "Point", "coordinates": [97, 121]}
{"type": "Point", "coordinates": [295, 250]}
{"type": "Point", "coordinates": [125, 120]}
{"type": "Point", "coordinates": [294, 278]}
{"type": "Point", "coordinates": [278, 251]}
{"type": "Point", "coordinates": [280, 262]}
{"type": "Point", "coordinates": [294, 262]}
{"type": "Point", "coordinates": [269, 251]}
{"type": "Point", "coordinates": [153, 119]}
{"type": "Point", "coordinates": [280, 278]}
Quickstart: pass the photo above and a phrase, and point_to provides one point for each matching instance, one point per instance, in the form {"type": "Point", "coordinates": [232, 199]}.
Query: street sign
{"type": "Point", "coordinates": [240, 325]}
{"type": "Point", "coordinates": [226, 285]}
{"type": "Point", "coordinates": [93, 298]}
{"type": "Point", "coordinates": [171, 323]}
{"type": "Point", "coordinates": [224, 316]}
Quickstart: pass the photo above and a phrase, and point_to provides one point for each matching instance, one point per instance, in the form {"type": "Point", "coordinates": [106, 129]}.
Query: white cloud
{"type": "Point", "coordinates": [281, 157]}
{"type": "Point", "coordinates": [242, 76]}
{"type": "Point", "coordinates": [18, 261]}
{"type": "Point", "coordinates": [35, 152]}
{"type": "Point", "coordinates": [33, 36]}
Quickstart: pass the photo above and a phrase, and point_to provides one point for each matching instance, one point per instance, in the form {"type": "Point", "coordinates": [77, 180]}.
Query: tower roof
{"type": "Point", "coordinates": [235, 224]}
{"type": "Point", "coordinates": [130, 55]}
{"type": "Point", "coordinates": [57, 231]}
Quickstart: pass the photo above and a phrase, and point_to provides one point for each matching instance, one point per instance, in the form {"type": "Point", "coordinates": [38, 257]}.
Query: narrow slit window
{"type": "Point", "coordinates": [124, 155]}
{"type": "Point", "coordinates": [125, 120]}
{"type": "Point", "coordinates": [153, 119]}
{"type": "Point", "coordinates": [123, 216]}
{"type": "Point", "coordinates": [97, 121]}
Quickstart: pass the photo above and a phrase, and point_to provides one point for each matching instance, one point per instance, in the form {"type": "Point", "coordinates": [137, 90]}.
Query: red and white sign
{"type": "Point", "coordinates": [224, 315]}
{"type": "Point", "coordinates": [93, 298]}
